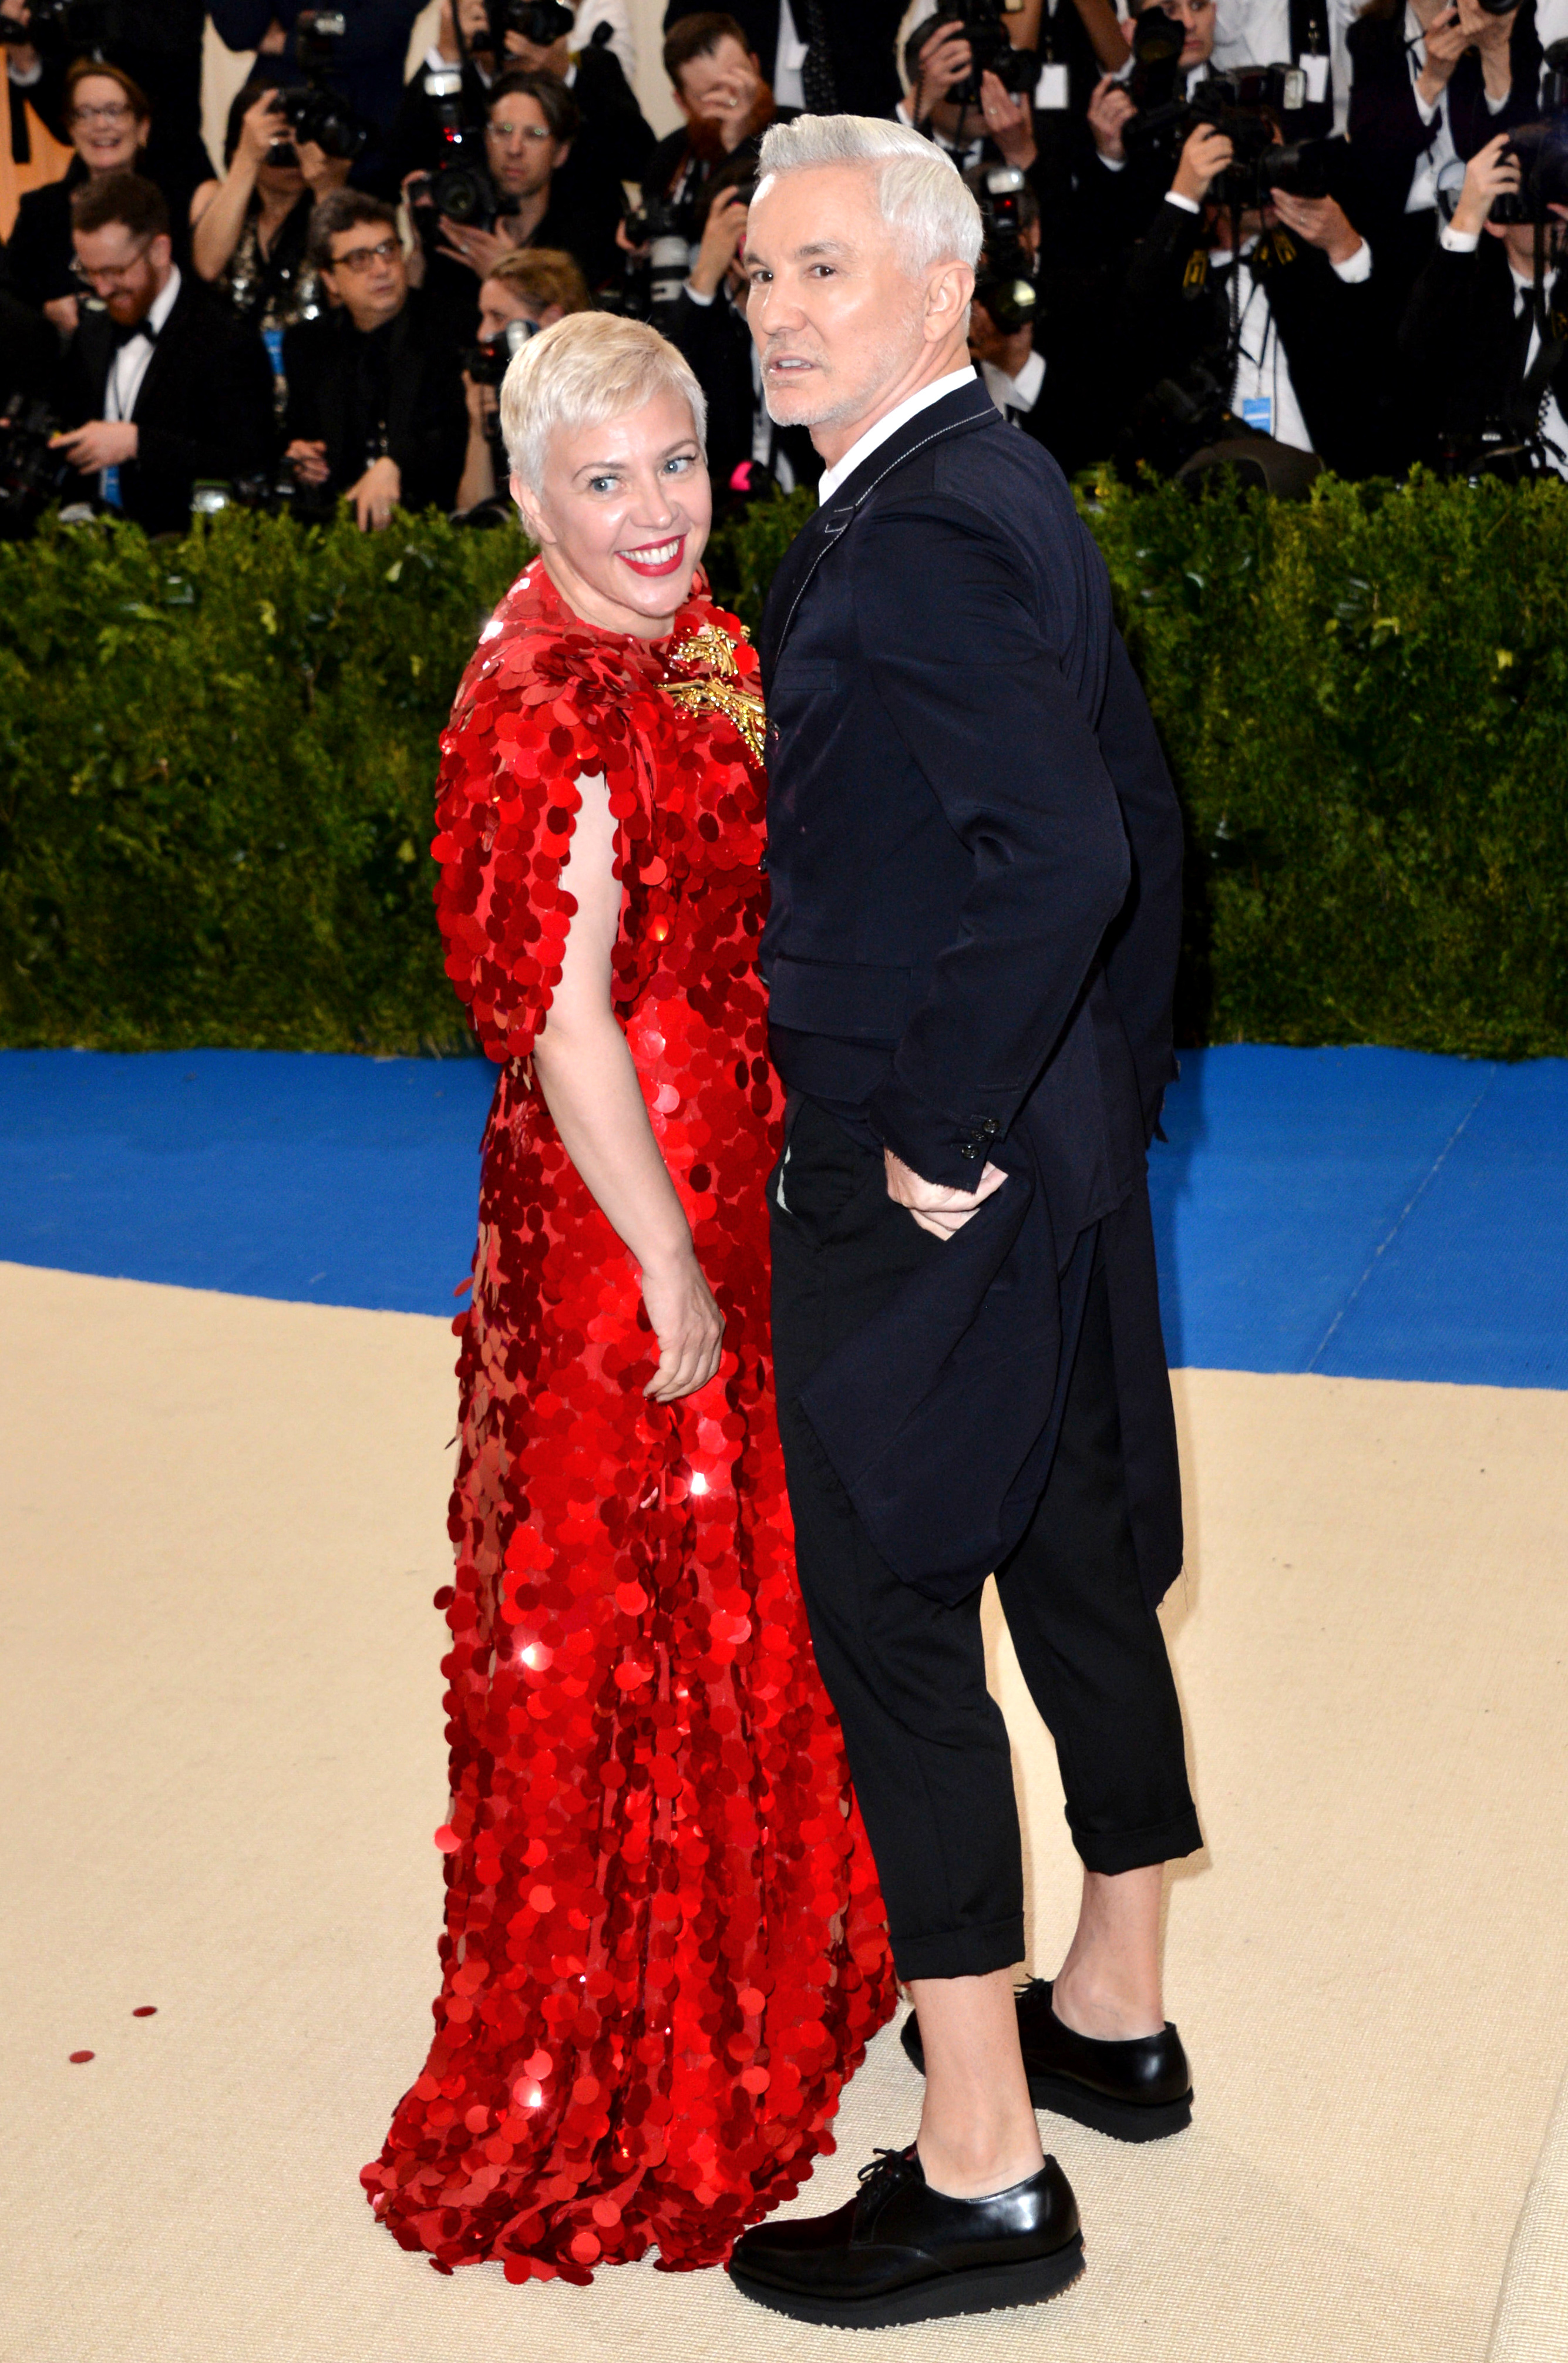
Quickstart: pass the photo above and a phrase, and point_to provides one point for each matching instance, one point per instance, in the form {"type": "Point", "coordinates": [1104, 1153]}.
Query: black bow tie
{"type": "Point", "coordinates": [123, 335]}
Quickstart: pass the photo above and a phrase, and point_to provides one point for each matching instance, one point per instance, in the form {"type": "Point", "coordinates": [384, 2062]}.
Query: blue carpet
{"type": "Point", "coordinates": [1371, 1213]}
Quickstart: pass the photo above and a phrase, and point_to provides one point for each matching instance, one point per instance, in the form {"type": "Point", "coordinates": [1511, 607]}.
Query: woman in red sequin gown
{"type": "Point", "coordinates": [664, 1948]}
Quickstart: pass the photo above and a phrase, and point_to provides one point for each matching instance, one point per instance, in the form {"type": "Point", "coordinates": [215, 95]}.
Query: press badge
{"type": "Point", "coordinates": [272, 338]}
{"type": "Point", "coordinates": [1317, 72]}
{"type": "Point", "coordinates": [1051, 90]}
{"type": "Point", "coordinates": [1257, 411]}
{"type": "Point", "coordinates": [110, 492]}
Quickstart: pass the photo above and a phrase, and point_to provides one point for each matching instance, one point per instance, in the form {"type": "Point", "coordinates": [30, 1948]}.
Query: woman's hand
{"type": "Point", "coordinates": [689, 1325]}
{"type": "Point", "coordinates": [322, 174]}
{"type": "Point", "coordinates": [481, 249]}
{"type": "Point", "coordinates": [1010, 121]}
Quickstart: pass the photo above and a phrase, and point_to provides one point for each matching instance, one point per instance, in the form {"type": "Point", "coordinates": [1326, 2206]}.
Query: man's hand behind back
{"type": "Point", "coordinates": [936, 1208]}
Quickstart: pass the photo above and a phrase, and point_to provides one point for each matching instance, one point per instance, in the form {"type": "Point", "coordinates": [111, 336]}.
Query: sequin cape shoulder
{"type": "Point", "coordinates": [547, 700]}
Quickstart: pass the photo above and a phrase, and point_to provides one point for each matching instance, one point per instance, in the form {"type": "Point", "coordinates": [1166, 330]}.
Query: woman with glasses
{"type": "Point", "coordinates": [108, 120]}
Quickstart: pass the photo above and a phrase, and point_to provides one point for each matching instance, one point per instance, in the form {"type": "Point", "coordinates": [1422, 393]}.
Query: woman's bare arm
{"type": "Point", "coordinates": [591, 1087]}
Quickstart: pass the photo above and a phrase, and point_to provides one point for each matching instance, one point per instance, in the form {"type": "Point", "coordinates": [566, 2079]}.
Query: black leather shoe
{"type": "Point", "coordinates": [1139, 2091]}
{"type": "Point", "coordinates": [901, 2252]}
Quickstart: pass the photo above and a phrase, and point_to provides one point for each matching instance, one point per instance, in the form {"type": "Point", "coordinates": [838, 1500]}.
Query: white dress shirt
{"type": "Point", "coordinates": [1423, 184]}
{"type": "Point", "coordinates": [1263, 395]}
{"type": "Point", "coordinates": [1020, 392]}
{"type": "Point", "coordinates": [129, 365]}
{"type": "Point", "coordinates": [788, 84]}
{"type": "Point", "coordinates": [875, 435]}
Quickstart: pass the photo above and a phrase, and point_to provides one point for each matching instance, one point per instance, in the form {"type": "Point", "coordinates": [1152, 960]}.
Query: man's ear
{"type": "Point", "coordinates": [949, 293]}
{"type": "Point", "coordinates": [160, 253]}
{"type": "Point", "coordinates": [562, 151]}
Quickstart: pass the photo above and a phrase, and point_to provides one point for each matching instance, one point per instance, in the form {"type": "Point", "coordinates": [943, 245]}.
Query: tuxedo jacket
{"type": "Point", "coordinates": [204, 409]}
{"type": "Point", "coordinates": [1465, 347]}
{"type": "Point", "coordinates": [974, 853]}
{"type": "Point", "coordinates": [1386, 135]}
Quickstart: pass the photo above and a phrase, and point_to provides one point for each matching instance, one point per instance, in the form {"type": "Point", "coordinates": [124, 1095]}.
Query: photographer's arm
{"type": "Point", "coordinates": [1103, 26]}
{"type": "Point", "coordinates": [242, 24]}
{"type": "Point", "coordinates": [477, 482]}
{"type": "Point", "coordinates": [218, 209]}
{"type": "Point", "coordinates": [584, 1069]}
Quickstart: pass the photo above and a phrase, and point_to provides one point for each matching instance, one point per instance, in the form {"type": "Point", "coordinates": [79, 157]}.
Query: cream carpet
{"type": "Point", "coordinates": [224, 1521]}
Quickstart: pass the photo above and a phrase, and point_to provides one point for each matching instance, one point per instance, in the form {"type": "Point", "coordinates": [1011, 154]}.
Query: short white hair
{"type": "Point", "coordinates": [920, 192]}
{"type": "Point", "coordinates": [583, 371]}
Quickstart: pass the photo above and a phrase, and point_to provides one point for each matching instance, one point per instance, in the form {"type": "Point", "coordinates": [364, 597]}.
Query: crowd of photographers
{"type": "Point", "coordinates": [1273, 235]}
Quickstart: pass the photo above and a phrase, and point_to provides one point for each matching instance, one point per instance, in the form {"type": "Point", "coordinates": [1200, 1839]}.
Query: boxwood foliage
{"type": "Point", "coordinates": [217, 757]}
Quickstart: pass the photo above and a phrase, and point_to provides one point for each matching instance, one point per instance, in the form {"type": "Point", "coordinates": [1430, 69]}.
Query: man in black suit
{"type": "Point", "coordinates": [1484, 343]}
{"type": "Point", "coordinates": [822, 55]}
{"type": "Point", "coordinates": [974, 853]}
{"type": "Point", "coordinates": [163, 386]}
{"type": "Point", "coordinates": [376, 413]}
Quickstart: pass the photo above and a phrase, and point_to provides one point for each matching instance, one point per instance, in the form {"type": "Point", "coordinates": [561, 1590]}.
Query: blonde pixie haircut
{"type": "Point", "coordinates": [587, 369]}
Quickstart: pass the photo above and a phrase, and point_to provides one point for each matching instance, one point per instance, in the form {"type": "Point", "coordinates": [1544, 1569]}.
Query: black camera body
{"type": "Point", "coordinates": [1248, 107]}
{"type": "Point", "coordinates": [77, 28]}
{"type": "Point", "coordinates": [990, 51]}
{"type": "Point", "coordinates": [488, 364]}
{"type": "Point", "coordinates": [312, 109]}
{"type": "Point", "coordinates": [460, 188]}
{"type": "Point", "coordinates": [542, 22]}
{"type": "Point", "coordinates": [32, 474]}
{"type": "Point", "coordinates": [1005, 282]}
{"type": "Point", "coordinates": [1542, 151]}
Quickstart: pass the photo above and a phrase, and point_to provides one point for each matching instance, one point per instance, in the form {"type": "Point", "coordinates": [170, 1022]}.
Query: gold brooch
{"type": "Point", "coordinates": [719, 693]}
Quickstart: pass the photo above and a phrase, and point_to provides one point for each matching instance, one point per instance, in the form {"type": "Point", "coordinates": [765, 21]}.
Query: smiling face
{"type": "Point", "coordinates": [623, 515]}
{"type": "Point", "coordinates": [845, 332]}
{"type": "Point", "coordinates": [106, 130]}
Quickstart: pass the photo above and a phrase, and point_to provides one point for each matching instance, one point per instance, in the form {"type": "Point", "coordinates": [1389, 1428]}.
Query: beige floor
{"type": "Point", "coordinates": [223, 1525]}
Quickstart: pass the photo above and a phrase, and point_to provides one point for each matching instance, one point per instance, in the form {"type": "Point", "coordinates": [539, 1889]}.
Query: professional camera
{"type": "Point", "coordinates": [31, 474]}
{"type": "Point", "coordinates": [314, 110]}
{"type": "Point", "coordinates": [77, 28]}
{"type": "Point", "coordinates": [1542, 151]}
{"type": "Point", "coordinates": [1247, 108]}
{"type": "Point", "coordinates": [655, 277]}
{"type": "Point", "coordinates": [990, 51]}
{"type": "Point", "coordinates": [1154, 86]}
{"type": "Point", "coordinates": [488, 364]}
{"type": "Point", "coordinates": [542, 22]}
{"type": "Point", "coordinates": [1005, 282]}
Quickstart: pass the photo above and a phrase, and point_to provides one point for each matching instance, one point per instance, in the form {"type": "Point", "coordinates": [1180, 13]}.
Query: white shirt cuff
{"type": "Point", "coordinates": [26, 81]}
{"type": "Point", "coordinates": [695, 297]}
{"type": "Point", "coordinates": [1111, 163]}
{"type": "Point", "coordinates": [1458, 241]}
{"type": "Point", "coordinates": [1186, 204]}
{"type": "Point", "coordinates": [1356, 267]}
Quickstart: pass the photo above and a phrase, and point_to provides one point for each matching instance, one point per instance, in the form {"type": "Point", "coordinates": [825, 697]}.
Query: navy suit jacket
{"type": "Point", "coordinates": [975, 853]}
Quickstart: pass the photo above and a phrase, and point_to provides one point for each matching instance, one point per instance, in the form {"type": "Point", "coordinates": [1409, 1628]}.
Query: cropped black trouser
{"type": "Point", "coordinates": [928, 1749]}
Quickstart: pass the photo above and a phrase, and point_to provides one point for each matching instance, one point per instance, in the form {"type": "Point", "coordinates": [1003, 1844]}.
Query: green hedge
{"type": "Point", "coordinates": [217, 758]}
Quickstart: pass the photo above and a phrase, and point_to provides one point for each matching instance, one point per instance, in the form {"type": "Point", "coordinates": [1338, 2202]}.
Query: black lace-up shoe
{"type": "Point", "coordinates": [901, 2252]}
{"type": "Point", "coordinates": [1139, 2091]}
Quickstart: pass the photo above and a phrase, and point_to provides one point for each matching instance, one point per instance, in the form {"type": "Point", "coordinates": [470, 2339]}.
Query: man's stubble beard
{"type": "Point", "coordinates": [840, 409]}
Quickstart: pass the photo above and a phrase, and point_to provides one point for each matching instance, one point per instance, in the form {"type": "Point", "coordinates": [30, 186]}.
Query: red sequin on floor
{"type": "Point", "coordinates": [148, 2010]}
{"type": "Point", "coordinates": [79, 2057]}
{"type": "Point", "coordinates": [665, 1949]}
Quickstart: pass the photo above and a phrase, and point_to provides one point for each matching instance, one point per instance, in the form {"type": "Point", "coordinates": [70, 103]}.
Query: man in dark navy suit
{"type": "Point", "coordinates": [976, 853]}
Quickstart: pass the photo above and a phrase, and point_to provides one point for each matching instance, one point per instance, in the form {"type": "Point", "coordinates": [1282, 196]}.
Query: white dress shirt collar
{"type": "Point", "coordinates": [1020, 392]}
{"type": "Point", "coordinates": [129, 364]}
{"type": "Point", "coordinates": [875, 435]}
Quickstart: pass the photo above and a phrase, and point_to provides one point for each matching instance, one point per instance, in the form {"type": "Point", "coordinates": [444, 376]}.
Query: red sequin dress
{"type": "Point", "coordinates": [665, 1949]}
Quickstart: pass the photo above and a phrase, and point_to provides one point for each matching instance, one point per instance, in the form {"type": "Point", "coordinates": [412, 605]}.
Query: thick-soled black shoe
{"type": "Point", "coordinates": [1139, 2091]}
{"type": "Point", "coordinates": [901, 2252]}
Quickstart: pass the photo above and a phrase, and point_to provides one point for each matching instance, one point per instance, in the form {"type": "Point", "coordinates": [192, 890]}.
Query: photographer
{"type": "Point", "coordinates": [727, 105]}
{"type": "Point", "coordinates": [366, 71]}
{"type": "Point", "coordinates": [829, 57]}
{"type": "Point", "coordinates": [108, 121]}
{"type": "Point", "coordinates": [538, 288]}
{"type": "Point", "coordinates": [1137, 123]}
{"type": "Point", "coordinates": [515, 200]}
{"type": "Point", "coordinates": [1483, 339]}
{"type": "Point", "coordinates": [1038, 361]}
{"type": "Point", "coordinates": [249, 231]}
{"type": "Point", "coordinates": [161, 387]}
{"type": "Point", "coordinates": [375, 408]}
{"type": "Point", "coordinates": [965, 110]}
{"type": "Point", "coordinates": [1433, 82]}
{"type": "Point", "coordinates": [1266, 298]}
{"type": "Point", "coordinates": [707, 325]}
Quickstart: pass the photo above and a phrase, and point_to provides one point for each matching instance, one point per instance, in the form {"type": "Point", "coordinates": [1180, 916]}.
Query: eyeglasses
{"type": "Point", "coordinates": [115, 275]}
{"type": "Point", "coordinates": [82, 118]}
{"type": "Point", "coordinates": [533, 135]}
{"type": "Point", "coordinates": [359, 258]}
